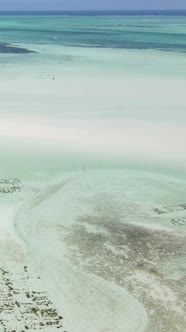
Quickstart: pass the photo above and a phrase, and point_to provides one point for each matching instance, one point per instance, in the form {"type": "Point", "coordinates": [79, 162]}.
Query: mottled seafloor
{"type": "Point", "coordinates": [92, 174]}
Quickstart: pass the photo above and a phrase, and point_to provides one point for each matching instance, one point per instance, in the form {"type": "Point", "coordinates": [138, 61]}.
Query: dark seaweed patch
{"type": "Point", "coordinates": [8, 186]}
{"type": "Point", "coordinates": [149, 262]}
{"type": "Point", "coordinates": [7, 48]}
{"type": "Point", "coordinates": [170, 209]}
{"type": "Point", "coordinates": [24, 308]}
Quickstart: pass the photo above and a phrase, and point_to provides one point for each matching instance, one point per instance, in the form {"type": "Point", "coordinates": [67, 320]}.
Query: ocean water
{"type": "Point", "coordinates": [156, 32]}
{"type": "Point", "coordinates": [93, 123]}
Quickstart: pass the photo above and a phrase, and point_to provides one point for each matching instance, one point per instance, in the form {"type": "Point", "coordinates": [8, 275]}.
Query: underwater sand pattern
{"type": "Point", "coordinates": [149, 263]}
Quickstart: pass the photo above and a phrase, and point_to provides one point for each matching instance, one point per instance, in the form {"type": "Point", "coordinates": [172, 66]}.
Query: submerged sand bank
{"type": "Point", "coordinates": [92, 111]}
{"type": "Point", "coordinates": [102, 110]}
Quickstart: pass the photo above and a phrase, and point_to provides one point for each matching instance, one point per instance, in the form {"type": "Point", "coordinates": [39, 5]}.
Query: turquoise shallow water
{"type": "Point", "coordinates": [49, 35]}
{"type": "Point", "coordinates": [126, 32]}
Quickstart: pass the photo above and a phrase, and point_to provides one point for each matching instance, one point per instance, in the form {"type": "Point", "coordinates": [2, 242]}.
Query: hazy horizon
{"type": "Point", "coordinates": [94, 10]}
{"type": "Point", "coordinates": [12, 5]}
